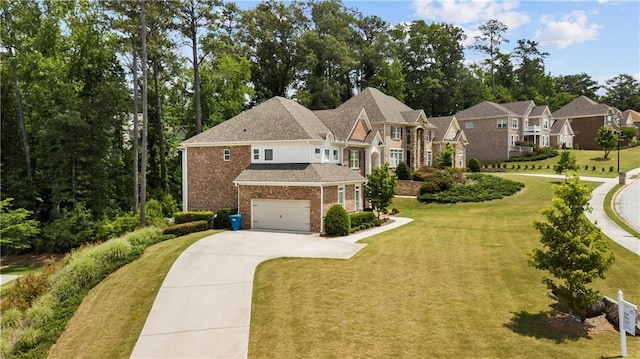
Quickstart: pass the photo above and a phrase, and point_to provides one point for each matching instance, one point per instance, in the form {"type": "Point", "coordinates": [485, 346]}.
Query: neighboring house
{"type": "Point", "coordinates": [448, 131]}
{"type": "Point", "coordinates": [281, 165]}
{"type": "Point", "coordinates": [536, 121]}
{"type": "Point", "coordinates": [586, 117]}
{"type": "Point", "coordinates": [630, 118]}
{"type": "Point", "coordinates": [406, 132]}
{"type": "Point", "coordinates": [562, 134]}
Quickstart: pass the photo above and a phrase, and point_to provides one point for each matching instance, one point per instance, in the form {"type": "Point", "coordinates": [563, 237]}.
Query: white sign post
{"type": "Point", "coordinates": [626, 321]}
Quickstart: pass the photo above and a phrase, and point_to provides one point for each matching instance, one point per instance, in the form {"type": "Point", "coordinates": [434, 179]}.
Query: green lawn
{"type": "Point", "coordinates": [109, 321]}
{"type": "Point", "coordinates": [452, 284]}
{"type": "Point", "coordinates": [629, 159]}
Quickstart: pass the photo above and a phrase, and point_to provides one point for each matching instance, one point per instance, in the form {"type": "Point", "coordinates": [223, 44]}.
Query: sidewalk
{"type": "Point", "coordinates": [598, 215]}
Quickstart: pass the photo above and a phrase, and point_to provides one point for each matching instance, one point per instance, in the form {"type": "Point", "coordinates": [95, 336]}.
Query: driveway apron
{"type": "Point", "coordinates": [203, 307]}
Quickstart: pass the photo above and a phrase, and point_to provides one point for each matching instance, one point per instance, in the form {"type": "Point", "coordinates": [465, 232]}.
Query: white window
{"type": "Point", "coordinates": [396, 132]}
{"type": "Point", "coordinates": [256, 154]}
{"type": "Point", "coordinates": [514, 123]}
{"type": "Point", "coordinates": [545, 124]}
{"type": "Point", "coordinates": [226, 154]}
{"type": "Point", "coordinates": [327, 154]}
{"type": "Point", "coordinates": [514, 139]}
{"type": "Point", "coordinates": [335, 155]}
{"type": "Point", "coordinates": [427, 135]}
{"type": "Point", "coordinates": [341, 196]}
{"type": "Point", "coordinates": [357, 198]}
{"type": "Point", "coordinates": [429, 158]}
{"type": "Point", "coordinates": [468, 125]}
{"type": "Point", "coordinates": [526, 123]}
{"type": "Point", "coordinates": [268, 154]}
{"type": "Point", "coordinates": [395, 157]}
{"type": "Point", "coordinates": [317, 152]}
{"type": "Point", "coordinates": [502, 123]}
{"type": "Point", "coordinates": [354, 159]}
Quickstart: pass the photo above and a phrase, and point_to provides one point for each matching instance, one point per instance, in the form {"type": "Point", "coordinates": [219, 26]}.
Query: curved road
{"type": "Point", "coordinates": [627, 204]}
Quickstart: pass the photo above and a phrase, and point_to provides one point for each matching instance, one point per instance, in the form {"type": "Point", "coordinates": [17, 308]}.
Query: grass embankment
{"type": "Point", "coordinates": [109, 320]}
{"type": "Point", "coordinates": [611, 213]}
{"type": "Point", "coordinates": [453, 283]}
{"type": "Point", "coordinates": [629, 159]}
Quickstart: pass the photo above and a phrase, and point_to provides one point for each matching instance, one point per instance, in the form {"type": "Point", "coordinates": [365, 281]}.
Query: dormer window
{"type": "Point", "coordinates": [396, 132]}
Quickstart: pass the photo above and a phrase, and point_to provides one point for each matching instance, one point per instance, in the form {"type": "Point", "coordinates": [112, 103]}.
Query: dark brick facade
{"type": "Point", "coordinates": [487, 143]}
{"type": "Point", "coordinates": [586, 131]}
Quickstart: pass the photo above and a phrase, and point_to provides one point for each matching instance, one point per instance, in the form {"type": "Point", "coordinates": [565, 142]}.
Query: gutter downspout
{"type": "Point", "coordinates": [185, 182]}
{"type": "Point", "coordinates": [321, 209]}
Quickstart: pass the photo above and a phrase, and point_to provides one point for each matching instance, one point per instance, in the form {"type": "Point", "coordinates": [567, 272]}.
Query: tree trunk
{"type": "Point", "coordinates": [23, 126]}
{"type": "Point", "coordinates": [196, 71]}
{"type": "Point", "coordinates": [136, 130]}
{"type": "Point", "coordinates": [160, 130]}
{"type": "Point", "coordinates": [143, 162]}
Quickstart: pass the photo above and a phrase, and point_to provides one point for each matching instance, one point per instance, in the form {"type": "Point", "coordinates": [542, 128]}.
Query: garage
{"type": "Point", "coordinates": [290, 215]}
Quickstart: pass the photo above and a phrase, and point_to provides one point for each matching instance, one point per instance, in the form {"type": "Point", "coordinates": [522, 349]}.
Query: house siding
{"type": "Point", "coordinates": [210, 177]}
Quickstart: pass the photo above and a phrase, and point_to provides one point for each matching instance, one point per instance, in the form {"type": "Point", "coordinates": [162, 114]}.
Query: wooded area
{"type": "Point", "coordinates": [74, 72]}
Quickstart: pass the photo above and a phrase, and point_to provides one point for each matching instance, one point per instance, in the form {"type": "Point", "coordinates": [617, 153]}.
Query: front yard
{"type": "Point", "coordinates": [454, 283]}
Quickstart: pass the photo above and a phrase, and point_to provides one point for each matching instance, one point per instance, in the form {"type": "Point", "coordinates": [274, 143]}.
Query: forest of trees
{"type": "Point", "coordinates": [74, 72]}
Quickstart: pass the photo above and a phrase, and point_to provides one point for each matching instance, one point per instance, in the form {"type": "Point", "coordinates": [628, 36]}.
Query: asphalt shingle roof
{"type": "Point", "coordinates": [582, 106]}
{"type": "Point", "coordinates": [298, 172]}
{"type": "Point", "coordinates": [442, 123]}
{"type": "Point", "coordinates": [521, 108]}
{"type": "Point", "coordinates": [341, 121]}
{"type": "Point", "coordinates": [381, 107]}
{"type": "Point", "coordinates": [276, 119]}
{"type": "Point", "coordinates": [484, 109]}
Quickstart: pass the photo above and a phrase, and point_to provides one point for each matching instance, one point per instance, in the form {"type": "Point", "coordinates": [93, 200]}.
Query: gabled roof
{"type": "Point", "coordinates": [443, 124]}
{"type": "Point", "coordinates": [539, 111]}
{"type": "Point", "coordinates": [298, 173]}
{"type": "Point", "coordinates": [582, 106]}
{"type": "Point", "coordinates": [342, 121]}
{"type": "Point", "coordinates": [381, 107]}
{"type": "Point", "coordinates": [485, 109]}
{"type": "Point", "coordinates": [277, 119]}
{"type": "Point", "coordinates": [558, 125]}
{"type": "Point", "coordinates": [522, 108]}
{"type": "Point", "coordinates": [631, 115]}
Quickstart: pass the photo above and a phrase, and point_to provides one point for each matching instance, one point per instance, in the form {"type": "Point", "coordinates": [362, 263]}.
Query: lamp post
{"type": "Point", "coordinates": [622, 177]}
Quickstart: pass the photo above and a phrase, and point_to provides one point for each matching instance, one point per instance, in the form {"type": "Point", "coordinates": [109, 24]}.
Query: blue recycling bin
{"type": "Point", "coordinates": [236, 221]}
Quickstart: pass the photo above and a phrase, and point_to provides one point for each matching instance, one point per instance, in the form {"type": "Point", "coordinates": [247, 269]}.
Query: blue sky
{"type": "Point", "coordinates": [600, 38]}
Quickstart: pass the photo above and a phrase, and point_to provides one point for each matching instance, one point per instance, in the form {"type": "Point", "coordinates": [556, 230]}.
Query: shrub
{"type": "Point", "coordinates": [611, 169]}
{"type": "Point", "coordinates": [474, 165]}
{"type": "Point", "coordinates": [593, 168]}
{"type": "Point", "coordinates": [484, 188]}
{"type": "Point", "coordinates": [221, 219]}
{"type": "Point", "coordinates": [11, 318]}
{"type": "Point", "coordinates": [17, 231]}
{"type": "Point", "coordinates": [71, 230]}
{"type": "Point", "coordinates": [183, 229]}
{"type": "Point", "coordinates": [336, 222]}
{"type": "Point", "coordinates": [437, 182]}
{"type": "Point", "coordinates": [536, 155]}
{"type": "Point", "coordinates": [27, 289]}
{"type": "Point", "coordinates": [40, 312]}
{"type": "Point", "coordinates": [28, 338]}
{"type": "Point", "coordinates": [118, 226]}
{"type": "Point", "coordinates": [586, 167]}
{"type": "Point", "coordinates": [169, 205]}
{"type": "Point", "coordinates": [403, 172]}
{"type": "Point", "coordinates": [361, 218]}
{"type": "Point", "coordinates": [154, 214]}
{"type": "Point", "coordinates": [185, 217]}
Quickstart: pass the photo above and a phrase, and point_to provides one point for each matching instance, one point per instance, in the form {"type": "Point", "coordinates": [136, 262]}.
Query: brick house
{"type": "Point", "coordinates": [586, 117]}
{"type": "Point", "coordinates": [281, 165]}
{"type": "Point", "coordinates": [493, 130]}
{"type": "Point", "coordinates": [406, 132]}
{"type": "Point", "coordinates": [448, 131]}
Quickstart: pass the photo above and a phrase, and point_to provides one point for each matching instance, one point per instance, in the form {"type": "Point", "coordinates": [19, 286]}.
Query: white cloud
{"type": "Point", "coordinates": [573, 28]}
{"type": "Point", "coordinates": [471, 11]}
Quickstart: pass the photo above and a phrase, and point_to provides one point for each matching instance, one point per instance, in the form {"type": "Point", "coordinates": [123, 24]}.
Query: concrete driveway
{"type": "Point", "coordinates": [203, 307]}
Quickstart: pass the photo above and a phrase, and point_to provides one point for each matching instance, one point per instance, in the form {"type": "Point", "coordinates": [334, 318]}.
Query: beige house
{"type": "Point", "coordinates": [449, 132]}
{"type": "Point", "coordinates": [406, 132]}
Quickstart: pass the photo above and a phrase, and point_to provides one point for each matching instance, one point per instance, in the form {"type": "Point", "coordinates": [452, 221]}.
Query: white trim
{"type": "Point", "coordinates": [297, 184]}
{"type": "Point", "coordinates": [185, 182]}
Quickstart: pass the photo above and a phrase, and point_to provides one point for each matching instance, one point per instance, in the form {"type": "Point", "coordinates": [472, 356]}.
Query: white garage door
{"type": "Point", "coordinates": [281, 214]}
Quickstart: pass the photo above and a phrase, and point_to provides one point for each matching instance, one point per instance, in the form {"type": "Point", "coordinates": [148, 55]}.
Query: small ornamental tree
{"type": "Point", "coordinates": [567, 162]}
{"type": "Point", "coordinates": [574, 251]}
{"type": "Point", "coordinates": [380, 188]}
{"type": "Point", "coordinates": [446, 159]}
{"type": "Point", "coordinates": [403, 172]}
{"type": "Point", "coordinates": [474, 165]}
{"type": "Point", "coordinates": [607, 139]}
{"type": "Point", "coordinates": [17, 231]}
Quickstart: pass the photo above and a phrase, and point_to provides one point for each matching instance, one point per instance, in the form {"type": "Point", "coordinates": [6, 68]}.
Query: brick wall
{"type": "Point", "coordinates": [210, 177]}
{"type": "Point", "coordinates": [360, 131]}
{"type": "Point", "coordinates": [586, 130]}
{"type": "Point", "coordinates": [346, 156]}
{"type": "Point", "coordinates": [487, 143]}
{"type": "Point", "coordinates": [408, 188]}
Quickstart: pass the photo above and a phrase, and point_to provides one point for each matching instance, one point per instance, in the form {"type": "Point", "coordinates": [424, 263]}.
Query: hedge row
{"type": "Point", "coordinates": [186, 217]}
{"type": "Point", "coordinates": [363, 220]}
{"type": "Point", "coordinates": [183, 229]}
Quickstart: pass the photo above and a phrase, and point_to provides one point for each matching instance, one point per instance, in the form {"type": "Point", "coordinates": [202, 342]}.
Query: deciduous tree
{"type": "Point", "coordinates": [380, 188]}
{"type": "Point", "coordinates": [607, 139]}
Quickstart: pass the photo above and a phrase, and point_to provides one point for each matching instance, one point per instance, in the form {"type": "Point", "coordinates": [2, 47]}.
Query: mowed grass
{"type": "Point", "coordinates": [629, 159]}
{"type": "Point", "coordinates": [609, 210]}
{"type": "Point", "coordinates": [454, 283]}
{"type": "Point", "coordinates": [109, 321]}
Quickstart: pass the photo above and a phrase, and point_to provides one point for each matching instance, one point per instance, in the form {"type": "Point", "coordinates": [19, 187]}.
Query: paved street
{"type": "Point", "coordinates": [627, 204]}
